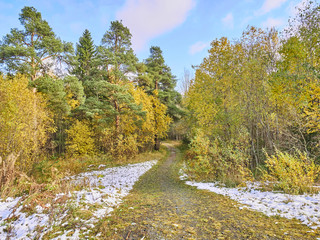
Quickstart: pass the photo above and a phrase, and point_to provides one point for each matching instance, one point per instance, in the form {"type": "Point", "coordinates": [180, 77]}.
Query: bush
{"type": "Point", "coordinates": [214, 160]}
{"type": "Point", "coordinates": [120, 147]}
{"type": "Point", "coordinates": [199, 156]}
{"type": "Point", "coordinates": [80, 139]}
{"type": "Point", "coordinates": [24, 128]}
{"type": "Point", "coordinates": [294, 174]}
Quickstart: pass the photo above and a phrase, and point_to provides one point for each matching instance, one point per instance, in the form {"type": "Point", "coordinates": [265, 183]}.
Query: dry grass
{"type": "Point", "coordinates": [47, 176]}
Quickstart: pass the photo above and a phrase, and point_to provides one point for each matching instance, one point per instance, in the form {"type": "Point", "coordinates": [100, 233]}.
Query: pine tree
{"type": "Point", "coordinates": [162, 78]}
{"type": "Point", "coordinates": [117, 53]}
{"type": "Point", "coordinates": [163, 81]}
{"type": "Point", "coordinates": [107, 92]}
{"type": "Point", "coordinates": [32, 51]}
{"type": "Point", "coordinates": [85, 53]}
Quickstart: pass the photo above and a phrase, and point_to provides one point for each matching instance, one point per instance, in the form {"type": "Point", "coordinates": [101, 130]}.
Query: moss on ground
{"type": "Point", "coordinates": [162, 207]}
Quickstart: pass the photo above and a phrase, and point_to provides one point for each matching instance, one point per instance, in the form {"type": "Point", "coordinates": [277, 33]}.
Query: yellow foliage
{"type": "Point", "coordinates": [154, 122]}
{"type": "Point", "coordinates": [291, 173]}
{"type": "Point", "coordinates": [213, 160]}
{"type": "Point", "coordinates": [161, 119]}
{"type": "Point", "coordinates": [120, 146]}
{"type": "Point", "coordinates": [311, 112]}
{"type": "Point", "coordinates": [73, 103]}
{"type": "Point", "coordinates": [137, 131]}
{"type": "Point", "coordinates": [24, 122]}
{"type": "Point", "coordinates": [80, 139]}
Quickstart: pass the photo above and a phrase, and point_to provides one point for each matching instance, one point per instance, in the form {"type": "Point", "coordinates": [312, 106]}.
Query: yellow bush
{"type": "Point", "coordinates": [213, 160]}
{"type": "Point", "coordinates": [24, 122]}
{"type": "Point", "coordinates": [121, 146]}
{"type": "Point", "coordinates": [80, 139]}
{"type": "Point", "coordinates": [199, 156]}
{"type": "Point", "coordinates": [291, 173]}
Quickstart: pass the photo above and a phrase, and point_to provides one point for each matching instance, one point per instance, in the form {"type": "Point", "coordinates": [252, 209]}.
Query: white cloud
{"type": "Point", "coordinates": [270, 5]}
{"type": "Point", "coordinates": [197, 47]}
{"type": "Point", "coordinates": [148, 19]}
{"type": "Point", "coordinates": [273, 22]}
{"type": "Point", "coordinates": [228, 20]}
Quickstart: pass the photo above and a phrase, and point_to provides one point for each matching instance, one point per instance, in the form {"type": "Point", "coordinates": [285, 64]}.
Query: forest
{"type": "Point", "coordinates": [57, 102]}
{"type": "Point", "coordinates": [251, 111]}
{"type": "Point", "coordinates": [254, 107]}
{"type": "Point", "coordinates": [250, 116]}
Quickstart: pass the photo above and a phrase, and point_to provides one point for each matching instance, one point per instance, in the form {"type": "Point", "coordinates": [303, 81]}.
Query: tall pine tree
{"type": "Point", "coordinates": [163, 81]}
{"type": "Point", "coordinates": [85, 54]}
{"type": "Point", "coordinates": [32, 51]}
{"type": "Point", "coordinates": [108, 97]}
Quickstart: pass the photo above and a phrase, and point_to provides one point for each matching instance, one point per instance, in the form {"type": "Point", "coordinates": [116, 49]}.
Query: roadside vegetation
{"type": "Point", "coordinates": [254, 107]}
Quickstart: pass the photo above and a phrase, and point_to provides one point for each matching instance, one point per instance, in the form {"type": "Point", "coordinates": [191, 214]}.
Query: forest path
{"type": "Point", "coordinates": [161, 206]}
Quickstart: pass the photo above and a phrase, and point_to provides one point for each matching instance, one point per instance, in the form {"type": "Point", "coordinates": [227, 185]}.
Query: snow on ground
{"type": "Point", "coordinates": [305, 208]}
{"type": "Point", "coordinates": [101, 191]}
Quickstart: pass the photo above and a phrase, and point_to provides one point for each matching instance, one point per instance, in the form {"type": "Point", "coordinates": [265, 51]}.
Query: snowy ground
{"type": "Point", "coordinates": [305, 207]}
{"type": "Point", "coordinates": [100, 193]}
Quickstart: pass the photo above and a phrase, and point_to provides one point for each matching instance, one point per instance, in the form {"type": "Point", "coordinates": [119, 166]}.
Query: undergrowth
{"type": "Point", "coordinates": [47, 187]}
{"type": "Point", "coordinates": [227, 163]}
{"type": "Point", "coordinates": [291, 173]}
{"type": "Point", "coordinates": [214, 160]}
{"type": "Point", "coordinates": [48, 176]}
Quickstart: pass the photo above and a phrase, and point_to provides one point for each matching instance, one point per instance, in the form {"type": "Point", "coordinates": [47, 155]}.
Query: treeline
{"type": "Point", "coordinates": [256, 100]}
{"type": "Point", "coordinates": [55, 100]}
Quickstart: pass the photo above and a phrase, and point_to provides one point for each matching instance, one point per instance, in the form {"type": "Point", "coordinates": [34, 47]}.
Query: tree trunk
{"type": "Point", "coordinates": [156, 143]}
{"type": "Point", "coordinates": [117, 120]}
{"type": "Point", "coordinates": [156, 85]}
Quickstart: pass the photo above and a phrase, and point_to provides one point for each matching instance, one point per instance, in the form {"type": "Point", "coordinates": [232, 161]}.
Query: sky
{"type": "Point", "coordinates": [183, 29]}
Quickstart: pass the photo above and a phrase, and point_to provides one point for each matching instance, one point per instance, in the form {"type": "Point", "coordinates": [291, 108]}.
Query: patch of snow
{"type": "Point", "coordinates": [305, 208]}
{"type": "Point", "coordinates": [101, 166]}
{"type": "Point", "coordinates": [103, 191]}
{"type": "Point", "coordinates": [182, 175]}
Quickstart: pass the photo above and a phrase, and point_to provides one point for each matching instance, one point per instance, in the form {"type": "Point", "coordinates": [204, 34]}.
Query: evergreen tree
{"type": "Point", "coordinates": [117, 53]}
{"type": "Point", "coordinates": [162, 80]}
{"type": "Point", "coordinates": [86, 54]}
{"type": "Point", "coordinates": [107, 92]}
{"type": "Point", "coordinates": [32, 51]}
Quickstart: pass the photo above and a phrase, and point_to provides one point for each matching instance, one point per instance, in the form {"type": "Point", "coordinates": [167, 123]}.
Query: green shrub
{"type": "Point", "coordinates": [292, 173]}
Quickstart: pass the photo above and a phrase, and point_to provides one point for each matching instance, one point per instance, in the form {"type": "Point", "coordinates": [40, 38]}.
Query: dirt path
{"type": "Point", "coordinates": [163, 207]}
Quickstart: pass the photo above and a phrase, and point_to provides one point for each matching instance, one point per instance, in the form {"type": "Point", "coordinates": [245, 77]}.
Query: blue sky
{"type": "Point", "coordinates": [182, 28]}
